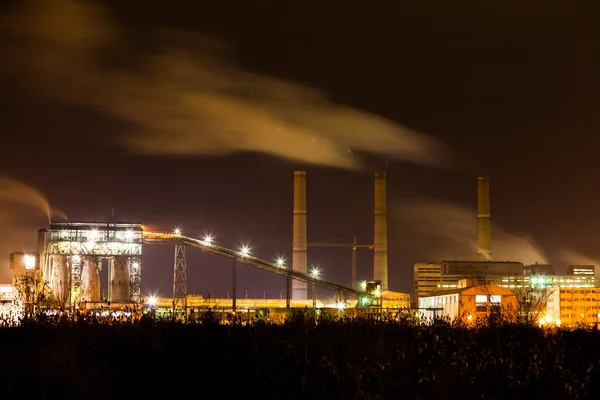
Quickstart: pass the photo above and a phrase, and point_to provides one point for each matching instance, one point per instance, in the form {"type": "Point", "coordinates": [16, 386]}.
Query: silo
{"type": "Point", "coordinates": [119, 281]}
{"type": "Point", "coordinates": [59, 277]}
{"type": "Point", "coordinates": [90, 280]}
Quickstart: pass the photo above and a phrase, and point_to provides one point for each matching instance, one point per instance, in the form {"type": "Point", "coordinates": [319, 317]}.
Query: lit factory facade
{"type": "Point", "coordinates": [72, 257]}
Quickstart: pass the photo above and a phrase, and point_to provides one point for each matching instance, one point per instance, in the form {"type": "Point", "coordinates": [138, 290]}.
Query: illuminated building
{"type": "Point", "coordinates": [569, 307]}
{"type": "Point", "coordinates": [581, 270]}
{"type": "Point", "coordinates": [467, 303]}
{"type": "Point", "coordinates": [76, 253]}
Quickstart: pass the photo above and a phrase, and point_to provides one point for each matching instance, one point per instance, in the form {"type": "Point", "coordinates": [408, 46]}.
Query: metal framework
{"type": "Point", "coordinates": [159, 237]}
{"type": "Point", "coordinates": [353, 246]}
{"type": "Point", "coordinates": [179, 278]}
{"type": "Point", "coordinates": [75, 240]}
{"type": "Point", "coordinates": [76, 267]}
{"type": "Point", "coordinates": [135, 277]}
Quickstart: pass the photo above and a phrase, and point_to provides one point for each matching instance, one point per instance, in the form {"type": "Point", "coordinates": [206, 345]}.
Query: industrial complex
{"type": "Point", "coordinates": [471, 290]}
{"type": "Point", "coordinates": [73, 258]}
{"type": "Point", "coordinates": [67, 270]}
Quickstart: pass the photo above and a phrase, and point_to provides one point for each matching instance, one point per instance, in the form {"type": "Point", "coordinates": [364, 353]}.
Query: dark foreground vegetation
{"type": "Point", "coordinates": [358, 359]}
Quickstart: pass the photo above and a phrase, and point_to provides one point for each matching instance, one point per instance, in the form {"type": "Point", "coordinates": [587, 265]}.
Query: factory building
{"type": "Point", "coordinates": [570, 307]}
{"type": "Point", "coordinates": [467, 303]}
{"type": "Point", "coordinates": [72, 256]}
{"type": "Point", "coordinates": [432, 277]}
{"type": "Point", "coordinates": [581, 270]}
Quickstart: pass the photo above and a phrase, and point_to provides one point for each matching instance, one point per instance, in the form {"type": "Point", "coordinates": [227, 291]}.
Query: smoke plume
{"type": "Point", "coordinates": [449, 232]}
{"type": "Point", "coordinates": [185, 98]}
{"type": "Point", "coordinates": [24, 209]}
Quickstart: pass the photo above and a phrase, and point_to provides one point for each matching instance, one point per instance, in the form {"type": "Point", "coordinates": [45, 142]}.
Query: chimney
{"type": "Point", "coordinates": [299, 245]}
{"type": "Point", "coordinates": [380, 259]}
{"type": "Point", "coordinates": [484, 251]}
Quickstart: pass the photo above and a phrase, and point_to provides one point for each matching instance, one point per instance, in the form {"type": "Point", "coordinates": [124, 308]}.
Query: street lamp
{"type": "Point", "coordinates": [208, 239]}
{"type": "Point", "coordinates": [177, 231]}
{"type": "Point", "coordinates": [280, 262]}
{"type": "Point", "coordinates": [245, 251]}
{"type": "Point", "coordinates": [315, 272]}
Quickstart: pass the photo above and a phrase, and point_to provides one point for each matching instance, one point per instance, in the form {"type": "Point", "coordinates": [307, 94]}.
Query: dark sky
{"type": "Point", "coordinates": [170, 112]}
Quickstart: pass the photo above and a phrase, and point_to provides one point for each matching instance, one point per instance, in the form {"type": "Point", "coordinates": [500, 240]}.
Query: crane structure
{"type": "Point", "coordinates": [346, 245]}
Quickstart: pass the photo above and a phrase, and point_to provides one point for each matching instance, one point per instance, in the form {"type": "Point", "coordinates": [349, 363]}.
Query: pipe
{"type": "Point", "coordinates": [380, 256]}
{"type": "Point", "coordinates": [299, 245]}
{"type": "Point", "coordinates": [484, 251]}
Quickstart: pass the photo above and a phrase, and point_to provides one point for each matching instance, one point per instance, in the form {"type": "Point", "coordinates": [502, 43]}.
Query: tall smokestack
{"type": "Point", "coordinates": [380, 259]}
{"type": "Point", "coordinates": [484, 251]}
{"type": "Point", "coordinates": [299, 245]}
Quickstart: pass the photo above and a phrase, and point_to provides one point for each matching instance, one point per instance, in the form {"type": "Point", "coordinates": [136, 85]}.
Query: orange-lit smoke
{"type": "Point", "coordinates": [186, 99]}
{"type": "Point", "coordinates": [449, 232]}
{"type": "Point", "coordinates": [24, 209]}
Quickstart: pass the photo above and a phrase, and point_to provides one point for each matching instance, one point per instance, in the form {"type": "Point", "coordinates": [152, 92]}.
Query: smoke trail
{"type": "Point", "coordinates": [24, 209]}
{"type": "Point", "coordinates": [16, 192]}
{"type": "Point", "coordinates": [186, 99]}
{"type": "Point", "coordinates": [449, 232]}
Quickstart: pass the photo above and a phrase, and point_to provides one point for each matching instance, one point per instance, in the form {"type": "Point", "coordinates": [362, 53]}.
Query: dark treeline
{"type": "Point", "coordinates": [352, 359]}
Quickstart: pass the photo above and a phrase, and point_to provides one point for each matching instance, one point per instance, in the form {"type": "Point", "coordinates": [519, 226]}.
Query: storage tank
{"type": "Point", "coordinates": [59, 277]}
{"type": "Point", "coordinates": [90, 280]}
{"type": "Point", "coordinates": [119, 281]}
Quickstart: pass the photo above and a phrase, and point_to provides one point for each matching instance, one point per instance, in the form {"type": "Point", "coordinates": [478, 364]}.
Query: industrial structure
{"type": "Point", "coordinates": [299, 247]}
{"type": "Point", "coordinates": [73, 255]}
{"type": "Point", "coordinates": [433, 277]}
{"type": "Point", "coordinates": [484, 223]}
{"type": "Point", "coordinates": [380, 254]}
{"type": "Point", "coordinates": [380, 239]}
{"type": "Point", "coordinates": [90, 265]}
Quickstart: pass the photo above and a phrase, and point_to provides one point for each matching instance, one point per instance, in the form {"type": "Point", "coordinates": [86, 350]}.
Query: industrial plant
{"type": "Point", "coordinates": [469, 290]}
{"type": "Point", "coordinates": [74, 258]}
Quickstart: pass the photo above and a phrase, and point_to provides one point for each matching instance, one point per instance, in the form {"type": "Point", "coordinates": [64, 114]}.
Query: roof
{"type": "Point", "coordinates": [493, 287]}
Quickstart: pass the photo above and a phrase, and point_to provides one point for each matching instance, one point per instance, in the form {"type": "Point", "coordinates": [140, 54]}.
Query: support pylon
{"type": "Point", "coordinates": [179, 279]}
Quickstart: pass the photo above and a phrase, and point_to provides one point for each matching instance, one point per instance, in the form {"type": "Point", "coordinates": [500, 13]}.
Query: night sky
{"type": "Point", "coordinates": [195, 114]}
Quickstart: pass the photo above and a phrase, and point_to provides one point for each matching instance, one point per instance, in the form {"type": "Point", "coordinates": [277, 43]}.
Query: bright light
{"type": "Point", "coordinates": [29, 262]}
{"type": "Point", "coordinates": [377, 293]}
{"type": "Point", "coordinates": [340, 306]}
{"type": "Point", "coordinates": [177, 231]}
{"type": "Point", "coordinates": [363, 285]}
{"type": "Point", "coordinates": [93, 236]}
{"type": "Point", "coordinates": [208, 239]}
{"type": "Point", "coordinates": [128, 236]}
{"type": "Point", "coordinates": [135, 265]}
{"type": "Point", "coordinates": [280, 262]}
{"type": "Point", "coordinates": [470, 317]}
{"type": "Point", "coordinates": [152, 300]}
{"type": "Point", "coordinates": [75, 258]}
{"type": "Point", "coordinates": [245, 251]}
{"type": "Point", "coordinates": [315, 273]}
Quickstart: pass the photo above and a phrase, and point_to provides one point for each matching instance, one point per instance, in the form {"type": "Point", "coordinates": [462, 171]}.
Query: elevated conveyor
{"type": "Point", "coordinates": [160, 237]}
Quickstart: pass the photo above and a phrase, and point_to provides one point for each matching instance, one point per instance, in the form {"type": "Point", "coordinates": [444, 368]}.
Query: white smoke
{"type": "Point", "coordinates": [185, 98]}
{"type": "Point", "coordinates": [449, 232]}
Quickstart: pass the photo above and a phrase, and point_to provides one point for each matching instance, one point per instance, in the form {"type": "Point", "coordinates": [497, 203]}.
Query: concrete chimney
{"type": "Point", "coordinates": [484, 251]}
{"type": "Point", "coordinates": [299, 245]}
{"type": "Point", "coordinates": [380, 257]}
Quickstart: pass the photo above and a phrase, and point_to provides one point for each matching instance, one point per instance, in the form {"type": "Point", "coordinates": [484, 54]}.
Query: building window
{"type": "Point", "coordinates": [481, 303]}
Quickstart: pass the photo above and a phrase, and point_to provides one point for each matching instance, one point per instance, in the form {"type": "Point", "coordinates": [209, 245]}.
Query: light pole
{"type": "Point", "coordinates": [315, 274]}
